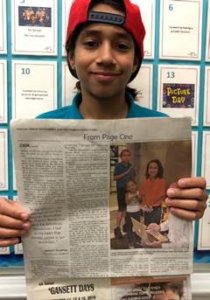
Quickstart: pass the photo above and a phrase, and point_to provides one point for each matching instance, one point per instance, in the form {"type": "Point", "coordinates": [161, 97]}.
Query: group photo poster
{"type": "Point", "coordinates": [3, 91]}
{"type": "Point", "coordinates": [34, 27]}
{"type": "Point", "coordinates": [34, 88]}
{"type": "Point", "coordinates": [180, 29]}
{"type": "Point", "coordinates": [4, 159]}
{"type": "Point", "coordinates": [178, 91]}
{"type": "Point", "coordinates": [207, 98]}
{"type": "Point", "coordinates": [205, 157]}
{"type": "Point", "coordinates": [2, 26]}
{"type": "Point", "coordinates": [204, 229]}
{"type": "Point", "coordinates": [148, 16]}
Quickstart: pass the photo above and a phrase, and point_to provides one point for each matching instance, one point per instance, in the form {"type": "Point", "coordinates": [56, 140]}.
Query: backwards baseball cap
{"type": "Point", "coordinates": [80, 13]}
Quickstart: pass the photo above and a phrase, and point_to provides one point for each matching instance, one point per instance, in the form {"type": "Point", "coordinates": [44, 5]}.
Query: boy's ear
{"type": "Point", "coordinates": [135, 63]}
{"type": "Point", "coordinates": [71, 59]}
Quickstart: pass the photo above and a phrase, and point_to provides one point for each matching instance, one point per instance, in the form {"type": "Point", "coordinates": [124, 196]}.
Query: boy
{"type": "Point", "coordinates": [104, 51]}
{"type": "Point", "coordinates": [124, 172]}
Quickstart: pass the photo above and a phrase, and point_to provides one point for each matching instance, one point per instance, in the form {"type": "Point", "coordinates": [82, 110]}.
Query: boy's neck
{"type": "Point", "coordinates": [92, 108]}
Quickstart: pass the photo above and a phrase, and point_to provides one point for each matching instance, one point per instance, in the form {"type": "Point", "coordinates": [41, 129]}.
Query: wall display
{"type": "Point", "coordinates": [2, 26]}
{"type": "Point", "coordinates": [205, 157]}
{"type": "Point", "coordinates": [180, 33]}
{"type": "Point", "coordinates": [204, 230]}
{"type": "Point", "coordinates": [194, 152]}
{"type": "Point", "coordinates": [3, 92]}
{"type": "Point", "coordinates": [178, 91]}
{"type": "Point", "coordinates": [207, 98]}
{"type": "Point", "coordinates": [3, 160]}
{"type": "Point", "coordinates": [143, 84]}
{"type": "Point", "coordinates": [34, 88]}
{"type": "Point", "coordinates": [66, 4]}
{"type": "Point", "coordinates": [34, 27]}
{"type": "Point", "coordinates": [148, 16]}
{"type": "Point", "coordinates": [208, 37]}
{"type": "Point", "coordinates": [31, 85]}
{"type": "Point", "coordinates": [68, 86]}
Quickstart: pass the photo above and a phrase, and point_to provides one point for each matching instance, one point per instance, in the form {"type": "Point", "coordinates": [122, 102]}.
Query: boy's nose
{"type": "Point", "coordinates": [105, 54]}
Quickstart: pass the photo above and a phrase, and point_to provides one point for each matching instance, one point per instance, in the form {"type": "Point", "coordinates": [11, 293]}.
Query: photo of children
{"type": "Point", "coordinates": [150, 289]}
{"type": "Point", "coordinates": [140, 176]}
{"type": "Point", "coordinates": [35, 16]}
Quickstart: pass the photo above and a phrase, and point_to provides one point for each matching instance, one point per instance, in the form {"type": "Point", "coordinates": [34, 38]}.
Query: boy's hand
{"type": "Point", "coordinates": [187, 198]}
{"type": "Point", "coordinates": [14, 222]}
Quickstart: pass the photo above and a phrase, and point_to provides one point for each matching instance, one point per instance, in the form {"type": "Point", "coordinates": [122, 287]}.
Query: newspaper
{"type": "Point", "coordinates": [66, 176]}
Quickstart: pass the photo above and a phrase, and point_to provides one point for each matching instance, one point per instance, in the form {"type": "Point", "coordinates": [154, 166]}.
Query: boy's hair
{"type": "Point", "coordinates": [160, 168]}
{"type": "Point", "coordinates": [123, 151]}
{"type": "Point", "coordinates": [80, 16]}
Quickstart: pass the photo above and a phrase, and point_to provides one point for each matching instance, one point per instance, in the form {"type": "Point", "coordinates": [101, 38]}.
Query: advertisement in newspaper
{"type": "Point", "coordinates": [96, 193]}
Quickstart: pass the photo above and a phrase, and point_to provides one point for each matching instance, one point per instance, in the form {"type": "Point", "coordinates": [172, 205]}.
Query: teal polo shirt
{"type": "Point", "coordinates": [72, 111]}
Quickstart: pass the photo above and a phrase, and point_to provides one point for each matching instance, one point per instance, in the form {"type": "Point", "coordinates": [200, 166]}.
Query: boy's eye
{"type": "Point", "coordinates": [90, 43]}
{"type": "Point", "coordinates": [123, 46]}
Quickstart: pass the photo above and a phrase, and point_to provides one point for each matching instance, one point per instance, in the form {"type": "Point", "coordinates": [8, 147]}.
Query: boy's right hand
{"type": "Point", "coordinates": [14, 222]}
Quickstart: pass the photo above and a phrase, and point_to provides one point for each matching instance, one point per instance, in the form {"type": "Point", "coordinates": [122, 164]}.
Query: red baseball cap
{"type": "Point", "coordinates": [131, 22]}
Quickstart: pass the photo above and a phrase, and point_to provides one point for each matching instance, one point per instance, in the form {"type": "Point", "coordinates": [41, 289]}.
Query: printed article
{"type": "Point", "coordinates": [96, 192]}
{"type": "Point", "coordinates": [126, 288]}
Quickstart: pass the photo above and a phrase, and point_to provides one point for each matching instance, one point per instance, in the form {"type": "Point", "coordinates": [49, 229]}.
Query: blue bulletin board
{"type": "Point", "coordinates": [162, 64]}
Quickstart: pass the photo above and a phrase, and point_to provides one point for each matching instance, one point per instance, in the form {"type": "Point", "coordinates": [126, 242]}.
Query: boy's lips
{"type": "Point", "coordinates": [104, 76]}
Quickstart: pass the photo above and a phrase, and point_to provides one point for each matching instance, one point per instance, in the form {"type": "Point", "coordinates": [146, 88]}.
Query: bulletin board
{"type": "Point", "coordinates": [174, 79]}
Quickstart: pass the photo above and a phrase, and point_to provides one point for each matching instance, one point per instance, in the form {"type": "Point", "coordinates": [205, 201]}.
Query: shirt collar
{"type": "Point", "coordinates": [78, 98]}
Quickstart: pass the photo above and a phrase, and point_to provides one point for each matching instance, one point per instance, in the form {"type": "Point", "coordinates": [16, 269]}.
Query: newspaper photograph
{"type": "Point", "coordinates": [96, 211]}
{"type": "Point", "coordinates": [127, 288]}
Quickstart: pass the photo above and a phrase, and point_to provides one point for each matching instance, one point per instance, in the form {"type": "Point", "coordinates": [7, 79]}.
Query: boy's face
{"type": "Point", "coordinates": [103, 58]}
{"type": "Point", "coordinates": [125, 157]}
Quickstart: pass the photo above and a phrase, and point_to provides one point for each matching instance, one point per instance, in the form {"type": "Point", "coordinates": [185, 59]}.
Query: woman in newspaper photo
{"type": "Point", "coordinates": [104, 47]}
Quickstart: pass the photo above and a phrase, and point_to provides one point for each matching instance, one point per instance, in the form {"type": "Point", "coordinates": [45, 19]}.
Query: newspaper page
{"type": "Point", "coordinates": [78, 178]}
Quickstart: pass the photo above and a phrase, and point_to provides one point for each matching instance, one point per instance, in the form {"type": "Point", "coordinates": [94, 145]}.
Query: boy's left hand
{"type": "Point", "coordinates": [187, 198]}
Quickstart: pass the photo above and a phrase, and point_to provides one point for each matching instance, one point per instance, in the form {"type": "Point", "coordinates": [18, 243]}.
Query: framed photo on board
{"type": "Point", "coordinates": [34, 27]}
{"type": "Point", "coordinates": [3, 159]}
{"type": "Point", "coordinates": [148, 16]}
{"type": "Point", "coordinates": [207, 98]}
{"type": "Point", "coordinates": [143, 84]}
{"type": "Point", "coordinates": [66, 4]}
{"type": "Point", "coordinates": [34, 88]}
{"type": "Point", "coordinates": [208, 36]}
{"type": "Point", "coordinates": [180, 30]}
{"type": "Point", "coordinates": [178, 91]}
{"type": "Point", "coordinates": [68, 87]}
{"type": "Point", "coordinates": [204, 229]}
{"type": "Point", "coordinates": [3, 91]}
{"type": "Point", "coordinates": [3, 39]}
{"type": "Point", "coordinates": [205, 157]}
